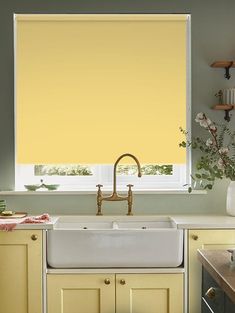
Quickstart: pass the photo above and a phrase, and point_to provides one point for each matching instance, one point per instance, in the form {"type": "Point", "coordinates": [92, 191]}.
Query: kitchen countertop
{"type": "Point", "coordinates": [204, 221]}
{"type": "Point", "coordinates": [46, 225]}
{"type": "Point", "coordinates": [181, 221]}
{"type": "Point", "coordinates": [217, 263]}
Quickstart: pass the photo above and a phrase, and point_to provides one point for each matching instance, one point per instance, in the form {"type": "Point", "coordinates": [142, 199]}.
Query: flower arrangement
{"type": "Point", "coordinates": [217, 153]}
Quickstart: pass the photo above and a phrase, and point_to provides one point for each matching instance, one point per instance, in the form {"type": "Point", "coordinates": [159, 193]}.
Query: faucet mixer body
{"type": "Point", "coordinates": [115, 196]}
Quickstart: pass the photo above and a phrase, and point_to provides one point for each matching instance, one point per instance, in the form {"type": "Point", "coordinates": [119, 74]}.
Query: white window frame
{"type": "Point", "coordinates": [102, 175]}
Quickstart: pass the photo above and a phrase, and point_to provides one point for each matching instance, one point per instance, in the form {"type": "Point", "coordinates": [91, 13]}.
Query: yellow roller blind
{"type": "Point", "coordinates": [91, 87]}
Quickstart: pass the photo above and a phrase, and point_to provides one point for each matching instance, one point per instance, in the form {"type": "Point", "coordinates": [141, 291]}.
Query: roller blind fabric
{"type": "Point", "coordinates": [91, 87]}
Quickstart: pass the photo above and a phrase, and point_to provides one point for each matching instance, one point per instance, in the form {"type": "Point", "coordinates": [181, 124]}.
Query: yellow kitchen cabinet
{"type": "Point", "coordinates": [124, 293]}
{"type": "Point", "coordinates": [203, 239]}
{"type": "Point", "coordinates": [85, 293]}
{"type": "Point", "coordinates": [21, 271]}
{"type": "Point", "coordinates": [149, 293]}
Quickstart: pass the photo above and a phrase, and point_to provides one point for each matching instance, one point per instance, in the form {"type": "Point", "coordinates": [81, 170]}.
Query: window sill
{"type": "Point", "coordinates": [94, 191]}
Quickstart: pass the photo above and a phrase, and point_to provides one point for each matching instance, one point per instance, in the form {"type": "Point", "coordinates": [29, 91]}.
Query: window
{"type": "Point", "coordinates": [91, 87]}
{"type": "Point", "coordinates": [86, 177]}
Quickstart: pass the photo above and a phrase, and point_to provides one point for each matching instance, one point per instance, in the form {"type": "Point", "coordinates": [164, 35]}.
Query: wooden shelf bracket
{"type": "Point", "coordinates": [227, 115]}
{"type": "Point", "coordinates": [227, 68]}
{"type": "Point", "coordinates": [226, 65]}
{"type": "Point", "coordinates": [226, 108]}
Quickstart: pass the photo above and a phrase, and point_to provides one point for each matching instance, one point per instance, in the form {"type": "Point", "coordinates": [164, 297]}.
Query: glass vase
{"type": "Point", "coordinates": [230, 205]}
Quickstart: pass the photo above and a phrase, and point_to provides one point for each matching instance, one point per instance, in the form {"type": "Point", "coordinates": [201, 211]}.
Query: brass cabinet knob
{"type": "Point", "coordinates": [107, 281]}
{"type": "Point", "coordinates": [34, 237]}
{"type": "Point", "coordinates": [211, 293]}
{"type": "Point", "coordinates": [122, 281]}
{"type": "Point", "coordinates": [195, 237]}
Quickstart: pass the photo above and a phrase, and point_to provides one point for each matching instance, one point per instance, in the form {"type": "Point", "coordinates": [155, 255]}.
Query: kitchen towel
{"type": "Point", "coordinates": [10, 224]}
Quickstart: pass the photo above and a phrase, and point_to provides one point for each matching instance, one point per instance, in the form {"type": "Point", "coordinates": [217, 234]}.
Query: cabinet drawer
{"type": "Point", "coordinates": [212, 294]}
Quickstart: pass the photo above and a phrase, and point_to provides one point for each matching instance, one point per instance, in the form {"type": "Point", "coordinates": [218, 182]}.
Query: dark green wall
{"type": "Point", "coordinates": [213, 25]}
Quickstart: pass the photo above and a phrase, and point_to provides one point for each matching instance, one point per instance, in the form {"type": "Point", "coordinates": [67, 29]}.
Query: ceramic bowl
{"type": "Point", "coordinates": [51, 187]}
{"type": "Point", "coordinates": [32, 187]}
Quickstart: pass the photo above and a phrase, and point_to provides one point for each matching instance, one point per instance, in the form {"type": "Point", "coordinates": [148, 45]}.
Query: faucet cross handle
{"type": "Point", "coordinates": [99, 186]}
{"type": "Point", "coordinates": [130, 186]}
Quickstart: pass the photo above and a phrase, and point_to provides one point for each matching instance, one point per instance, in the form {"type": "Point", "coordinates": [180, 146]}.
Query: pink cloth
{"type": "Point", "coordinates": [10, 224]}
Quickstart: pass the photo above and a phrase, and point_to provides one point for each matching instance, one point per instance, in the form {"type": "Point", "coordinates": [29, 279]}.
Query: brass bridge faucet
{"type": "Point", "coordinates": [114, 196]}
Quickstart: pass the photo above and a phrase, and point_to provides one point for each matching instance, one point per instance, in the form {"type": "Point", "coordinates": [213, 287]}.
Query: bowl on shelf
{"type": "Point", "coordinates": [42, 185]}
{"type": "Point", "coordinates": [32, 187]}
{"type": "Point", "coordinates": [51, 187]}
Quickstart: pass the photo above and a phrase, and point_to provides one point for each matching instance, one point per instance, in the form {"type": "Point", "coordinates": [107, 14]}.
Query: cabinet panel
{"type": "Point", "coordinates": [203, 239]}
{"type": "Point", "coordinates": [205, 307]}
{"type": "Point", "coordinates": [141, 293]}
{"type": "Point", "coordinates": [81, 293]}
{"type": "Point", "coordinates": [21, 272]}
{"type": "Point", "coordinates": [229, 305]}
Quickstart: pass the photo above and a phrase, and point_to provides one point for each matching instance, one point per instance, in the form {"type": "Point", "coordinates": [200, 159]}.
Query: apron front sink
{"type": "Point", "coordinates": [114, 242]}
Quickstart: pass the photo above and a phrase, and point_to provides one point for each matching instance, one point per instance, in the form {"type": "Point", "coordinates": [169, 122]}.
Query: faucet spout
{"type": "Point", "coordinates": [115, 169]}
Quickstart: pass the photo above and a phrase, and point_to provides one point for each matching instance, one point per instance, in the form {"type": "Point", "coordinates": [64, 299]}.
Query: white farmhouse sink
{"type": "Point", "coordinates": [120, 242]}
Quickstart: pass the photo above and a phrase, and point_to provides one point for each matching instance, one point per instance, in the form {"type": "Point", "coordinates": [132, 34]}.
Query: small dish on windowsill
{"type": "Point", "coordinates": [36, 187]}
{"type": "Point", "coordinates": [51, 187]}
{"type": "Point", "coordinates": [32, 187]}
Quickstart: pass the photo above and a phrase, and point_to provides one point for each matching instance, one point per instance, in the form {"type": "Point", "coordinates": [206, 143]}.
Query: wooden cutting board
{"type": "Point", "coordinates": [15, 215]}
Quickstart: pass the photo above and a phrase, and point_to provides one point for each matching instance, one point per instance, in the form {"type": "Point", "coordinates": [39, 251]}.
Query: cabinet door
{"type": "Point", "coordinates": [81, 293]}
{"type": "Point", "coordinates": [203, 239]}
{"type": "Point", "coordinates": [141, 293]}
{"type": "Point", "coordinates": [21, 272]}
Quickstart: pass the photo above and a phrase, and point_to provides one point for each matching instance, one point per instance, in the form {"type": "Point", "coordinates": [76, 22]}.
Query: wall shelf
{"type": "Point", "coordinates": [226, 108]}
{"type": "Point", "coordinates": [224, 64]}
{"type": "Point", "coordinates": [223, 107]}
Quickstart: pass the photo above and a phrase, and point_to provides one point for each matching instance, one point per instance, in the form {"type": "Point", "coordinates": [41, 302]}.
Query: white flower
{"type": "Point", "coordinates": [209, 122]}
{"type": "Point", "coordinates": [200, 116]}
{"type": "Point", "coordinates": [213, 128]}
{"type": "Point", "coordinates": [203, 123]}
{"type": "Point", "coordinates": [209, 142]}
{"type": "Point", "coordinates": [220, 164]}
{"type": "Point", "coordinates": [223, 150]}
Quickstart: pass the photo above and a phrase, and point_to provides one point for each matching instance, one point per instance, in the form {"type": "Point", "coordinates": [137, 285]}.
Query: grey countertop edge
{"type": "Point", "coordinates": [217, 263]}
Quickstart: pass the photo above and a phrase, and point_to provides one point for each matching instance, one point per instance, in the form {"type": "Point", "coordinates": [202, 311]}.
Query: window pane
{"type": "Point", "coordinates": [62, 170]}
{"type": "Point", "coordinates": [147, 169]}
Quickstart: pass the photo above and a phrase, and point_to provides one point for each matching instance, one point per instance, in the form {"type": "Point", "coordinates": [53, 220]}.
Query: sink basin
{"type": "Point", "coordinates": [114, 242]}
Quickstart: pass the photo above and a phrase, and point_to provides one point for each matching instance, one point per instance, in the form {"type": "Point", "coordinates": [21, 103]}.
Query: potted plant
{"type": "Point", "coordinates": [217, 157]}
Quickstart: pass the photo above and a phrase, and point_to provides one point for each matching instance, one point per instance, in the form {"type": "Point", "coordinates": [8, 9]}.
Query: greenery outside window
{"type": "Point", "coordinates": [85, 177]}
